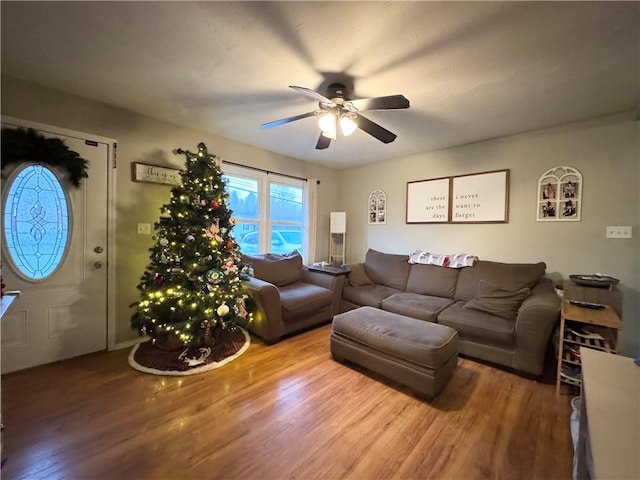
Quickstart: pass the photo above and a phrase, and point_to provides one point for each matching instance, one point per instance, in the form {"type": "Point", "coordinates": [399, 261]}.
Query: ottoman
{"type": "Point", "coordinates": [415, 353]}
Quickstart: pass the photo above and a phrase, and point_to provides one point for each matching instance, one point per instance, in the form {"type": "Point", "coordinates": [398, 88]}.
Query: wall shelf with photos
{"type": "Point", "coordinates": [559, 195]}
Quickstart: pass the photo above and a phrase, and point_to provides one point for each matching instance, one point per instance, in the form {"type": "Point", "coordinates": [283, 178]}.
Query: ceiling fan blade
{"type": "Point", "coordinates": [323, 142]}
{"type": "Point", "coordinates": [375, 130]}
{"type": "Point", "coordinates": [315, 95]}
{"type": "Point", "coordinates": [282, 121]}
{"type": "Point", "coordinates": [380, 103]}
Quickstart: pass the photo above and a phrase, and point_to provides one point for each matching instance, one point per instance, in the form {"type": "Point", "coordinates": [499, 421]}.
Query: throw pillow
{"type": "Point", "coordinates": [496, 301]}
{"type": "Point", "coordinates": [358, 277]}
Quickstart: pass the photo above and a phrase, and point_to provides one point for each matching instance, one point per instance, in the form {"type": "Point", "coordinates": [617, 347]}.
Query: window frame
{"type": "Point", "coordinates": [264, 222]}
{"type": "Point", "coordinates": [6, 250]}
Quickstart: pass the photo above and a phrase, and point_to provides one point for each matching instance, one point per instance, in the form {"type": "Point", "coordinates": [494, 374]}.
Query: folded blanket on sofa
{"type": "Point", "coordinates": [456, 260]}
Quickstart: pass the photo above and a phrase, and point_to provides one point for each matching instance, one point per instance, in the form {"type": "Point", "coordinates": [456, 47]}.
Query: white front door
{"type": "Point", "coordinates": [64, 315]}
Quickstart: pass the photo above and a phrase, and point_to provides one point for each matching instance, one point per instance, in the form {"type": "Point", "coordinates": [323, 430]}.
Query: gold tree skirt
{"type": "Point", "coordinates": [148, 357]}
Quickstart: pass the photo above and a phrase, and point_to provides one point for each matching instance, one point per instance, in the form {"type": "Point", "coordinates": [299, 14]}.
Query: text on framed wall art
{"type": "Point", "coordinates": [141, 172]}
{"type": "Point", "coordinates": [428, 201]}
{"type": "Point", "coordinates": [473, 198]}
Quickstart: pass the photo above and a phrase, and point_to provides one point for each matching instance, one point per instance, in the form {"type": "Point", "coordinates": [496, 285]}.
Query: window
{"type": "Point", "coordinates": [270, 211]}
{"type": "Point", "coordinates": [36, 222]}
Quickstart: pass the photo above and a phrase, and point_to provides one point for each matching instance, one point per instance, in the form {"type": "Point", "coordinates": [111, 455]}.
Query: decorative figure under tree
{"type": "Point", "coordinates": [191, 291]}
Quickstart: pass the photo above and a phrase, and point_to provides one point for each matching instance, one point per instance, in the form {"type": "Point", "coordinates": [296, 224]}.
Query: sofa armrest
{"type": "Point", "coordinates": [267, 318]}
{"type": "Point", "coordinates": [537, 317]}
{"type": "Point", "coordinates": [330, 281]}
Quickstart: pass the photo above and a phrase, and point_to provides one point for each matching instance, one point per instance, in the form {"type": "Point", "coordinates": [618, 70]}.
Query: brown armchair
{"type": "Point", "coordinates": [288, 296]}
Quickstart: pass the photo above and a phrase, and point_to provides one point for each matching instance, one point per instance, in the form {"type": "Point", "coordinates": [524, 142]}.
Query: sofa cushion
{"type": "Point", "coordinates": [499, 302]}
{"type": "Point", "coordinates": [358, 276]}
{"type": "Point", "coordinates": [507, 276]}
{"type": "Point", "coordinates": [414, 305]}
{"type": "Point", "coordinates": [277, 269]}
{"type": "Point", "coordinates": [369, 295]}
{"type": "Point", "coordinates": [478, 326]}
{"type": "Point", "coordinates": [432, 280]}
{"type": "Point", "coordinates": [387, 269]}
{"type": "Point", "coordinates": [302, 298]}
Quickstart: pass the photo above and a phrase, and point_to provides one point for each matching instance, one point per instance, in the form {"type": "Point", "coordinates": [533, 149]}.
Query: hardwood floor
{"type": "Point", "coordinates": [285, 411]}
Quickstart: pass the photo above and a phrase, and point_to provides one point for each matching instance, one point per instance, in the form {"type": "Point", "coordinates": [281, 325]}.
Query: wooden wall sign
{"type": "Point", "coordinates": [474, 198]}
{"type": "Point", "coordinates": [141, 172]}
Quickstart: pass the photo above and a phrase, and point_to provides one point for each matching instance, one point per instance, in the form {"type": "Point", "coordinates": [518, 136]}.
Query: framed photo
{"type": "Point", "coordinates": [428, 201]}
{"type": "Point", "coordinates": [141, 172]}
{"type": "Point", "coordinates": [377, 208]}
{"type": "Point", "coordinates": [559, 195]}
{"type": "Point", "coordinates": [480, 197]}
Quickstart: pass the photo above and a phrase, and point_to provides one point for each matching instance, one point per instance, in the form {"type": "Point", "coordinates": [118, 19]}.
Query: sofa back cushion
{"type": "Point", "coordinates": [432, 280]}
{"type": "Point", "coordinates": [505, 276]}
{"type": "Point", "coordinates": [388, 269]}
{"type": "Point", "coordinates": [358, 276]}
{"type": "Point", "coordinates": [496, 301]}
{"type": "Point", "coordinates": [279, 270]}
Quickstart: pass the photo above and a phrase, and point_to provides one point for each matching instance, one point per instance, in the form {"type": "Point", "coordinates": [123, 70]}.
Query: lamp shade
{"type": "Point", "coordinates": [347, 125]}
{"type": "Point", "coordinates": [338, 222]}
{"type": "Point", "coordinates": [327, 124]}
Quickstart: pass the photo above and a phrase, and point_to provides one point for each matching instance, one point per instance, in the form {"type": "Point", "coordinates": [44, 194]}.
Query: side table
{"type": "Point", "coordinates": [328, 269]}
{"type": "Point", "coordinates": [573, 319]}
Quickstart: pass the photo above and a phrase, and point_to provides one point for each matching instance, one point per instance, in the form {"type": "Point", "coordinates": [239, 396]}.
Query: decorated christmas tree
{"type": "Point", "coordinates": [191, 290]}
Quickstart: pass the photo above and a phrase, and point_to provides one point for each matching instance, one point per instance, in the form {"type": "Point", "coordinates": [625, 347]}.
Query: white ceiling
{"type": "Point", "coordinates": [471, 70]}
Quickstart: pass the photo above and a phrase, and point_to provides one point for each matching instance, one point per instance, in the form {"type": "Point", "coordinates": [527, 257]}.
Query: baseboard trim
{"type": "Point", "coordinates": [130, 343]}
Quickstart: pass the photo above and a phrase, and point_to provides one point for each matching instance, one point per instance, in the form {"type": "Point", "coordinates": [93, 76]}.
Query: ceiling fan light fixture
{"type": "Point", "coordinates": [327, 124]}
{"type": "Point", "coordinates": [347, 125]}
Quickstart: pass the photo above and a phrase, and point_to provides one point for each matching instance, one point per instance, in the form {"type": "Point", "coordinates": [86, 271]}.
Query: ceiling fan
{"type": "Point", "coordinates": [338, 109]}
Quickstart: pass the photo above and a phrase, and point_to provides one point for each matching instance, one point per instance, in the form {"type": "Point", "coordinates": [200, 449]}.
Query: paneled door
{"type": "Point", "coordinates": [54, 251]}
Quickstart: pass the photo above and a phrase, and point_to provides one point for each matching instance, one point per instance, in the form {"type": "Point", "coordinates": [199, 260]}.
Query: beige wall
{"type": "Point", "coordinates": [142, 139]}
{"type": "Point", "coordinates": [605, 151]}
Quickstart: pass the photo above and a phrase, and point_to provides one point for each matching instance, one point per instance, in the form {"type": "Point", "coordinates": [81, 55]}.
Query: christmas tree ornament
{"type": "Point", "coordinates": [205, 289]}
{"type": "Point", "coordinates": [230, 268]}
{"type": "Point", "coordinates": [240, 308]}
{"type": "Point", "coordinates": [215, 204]}
{"type": "Point", "coordinates": [163, 258]}
{"type": "Point", "coordinates": [190, 238]}
{"type": "Point", "coordinates": [159, 279]}
{"type": "Point", "coordinates": [223, 310]}
{"type": "Point", "coordinates": [212, 232]}
{"type": "Point", "coordinates": [214, 276]}
{"type": "Point", "coordinates": [163, 242]}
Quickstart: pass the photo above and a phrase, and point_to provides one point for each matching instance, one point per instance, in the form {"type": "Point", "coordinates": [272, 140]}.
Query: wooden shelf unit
{"type": "Point", "coordinates": [572, 319]}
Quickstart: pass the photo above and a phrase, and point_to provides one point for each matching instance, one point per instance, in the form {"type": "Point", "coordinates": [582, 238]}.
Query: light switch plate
{"type": "Point", "coordinates": [619, 232]}
{"type": "Point", "coordinates": [144, 229]}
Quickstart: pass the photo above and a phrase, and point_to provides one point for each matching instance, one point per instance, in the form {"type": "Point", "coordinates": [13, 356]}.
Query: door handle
{"type": "Point", "coordinates": [97, 264]}
{"type": "Point", "coordinates": [98, 249]}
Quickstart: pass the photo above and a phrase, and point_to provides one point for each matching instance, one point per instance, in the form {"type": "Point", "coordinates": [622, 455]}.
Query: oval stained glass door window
{"type": "Point", "coordinates": [36, 222]}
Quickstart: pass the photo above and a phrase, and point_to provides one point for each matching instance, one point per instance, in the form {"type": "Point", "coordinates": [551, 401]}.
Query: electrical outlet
{"type": "Point", "coordinates": [144, 229]}
{"type": "Point", "coordinates": [619, 232]}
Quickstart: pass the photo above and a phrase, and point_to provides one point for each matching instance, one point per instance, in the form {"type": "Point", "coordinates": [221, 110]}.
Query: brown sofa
{"type": "Point", "coordinates": [504, 313]}
{"type": "Point", "coordinates": [289, 298]}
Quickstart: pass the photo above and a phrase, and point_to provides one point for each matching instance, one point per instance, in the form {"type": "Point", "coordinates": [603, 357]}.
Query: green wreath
{"type": "Point", "coordinates": [21, 145]}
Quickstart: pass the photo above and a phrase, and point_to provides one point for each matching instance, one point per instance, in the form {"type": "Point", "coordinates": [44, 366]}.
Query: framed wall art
{"type": "Point", "coordinates": [377, 208]}
{"type": "Point", "coordinates": [428, 201]}
{"type": "Point", "coordinates": [480, 197]}
{"type": "Point", "coordinates": [559, 195]}
{"type": "Point", "coordinates": [141, 172]}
